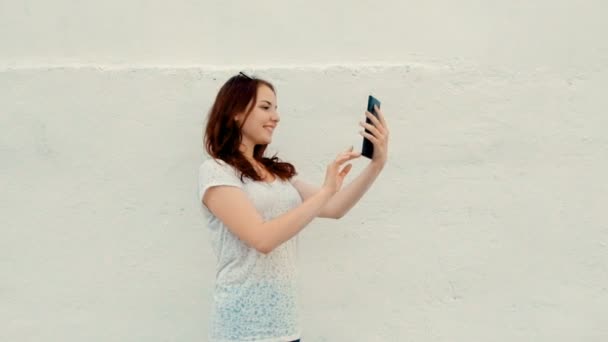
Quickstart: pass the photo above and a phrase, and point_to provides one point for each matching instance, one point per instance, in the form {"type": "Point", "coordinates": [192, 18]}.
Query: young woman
{"type": "Point", "coordinates": [255, 209]}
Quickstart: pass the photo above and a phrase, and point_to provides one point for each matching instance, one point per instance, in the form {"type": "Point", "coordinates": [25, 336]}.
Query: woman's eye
{"type": "Point", "coordinates": [266, 108]}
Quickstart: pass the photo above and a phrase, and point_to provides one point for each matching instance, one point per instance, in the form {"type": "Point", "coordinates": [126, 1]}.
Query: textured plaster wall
{"type": "Point", "coordinates": [517, 34]}
{"type": "Point", "coordinates": [488, 224]}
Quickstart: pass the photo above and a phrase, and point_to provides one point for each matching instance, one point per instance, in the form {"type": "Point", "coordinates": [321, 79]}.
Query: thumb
{"type": "Point", "coordinates": [346, 169]}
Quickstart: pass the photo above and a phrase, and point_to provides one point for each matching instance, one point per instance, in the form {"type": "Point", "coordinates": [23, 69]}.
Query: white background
{"type": "Point", "coordinates": [488, 223]}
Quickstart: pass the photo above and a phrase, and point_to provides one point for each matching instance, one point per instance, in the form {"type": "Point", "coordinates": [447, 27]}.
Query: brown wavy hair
{"type": "Point", "coordinates": [223, 134]}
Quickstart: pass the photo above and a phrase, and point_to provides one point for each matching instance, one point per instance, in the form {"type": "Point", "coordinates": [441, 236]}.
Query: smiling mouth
{"type": "Point", "coordinates": [269, 129]}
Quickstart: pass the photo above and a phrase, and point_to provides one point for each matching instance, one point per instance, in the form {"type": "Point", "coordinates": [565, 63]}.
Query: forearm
{"type": "Point", "coordinates": [284, 227]}
{"type": "Point", "coordinates": [346, 198]}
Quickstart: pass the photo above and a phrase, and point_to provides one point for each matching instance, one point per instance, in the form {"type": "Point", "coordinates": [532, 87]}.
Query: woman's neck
{"type": "Point", "coordinates": [247, 152]}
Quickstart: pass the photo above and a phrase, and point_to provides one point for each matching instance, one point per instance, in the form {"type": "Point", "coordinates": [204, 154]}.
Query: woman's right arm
{"type": "Point", "coordinates": [235, 210]}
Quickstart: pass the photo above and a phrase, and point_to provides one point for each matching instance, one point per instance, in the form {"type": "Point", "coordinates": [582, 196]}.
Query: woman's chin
{"type": "Point", "coordinates": [264, 141]}
{"type": "Point", "coordinates": [267, 140]}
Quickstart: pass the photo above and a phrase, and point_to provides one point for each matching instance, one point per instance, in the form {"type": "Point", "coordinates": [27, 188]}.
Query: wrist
{"type": "Point", "coordinates": [377, 165]}
{"type": "Point", "coordinates": [327, 191]}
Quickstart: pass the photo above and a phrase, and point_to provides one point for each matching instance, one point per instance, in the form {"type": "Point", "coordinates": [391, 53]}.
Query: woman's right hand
{"type": "Point", "coordinates": [335, 174]}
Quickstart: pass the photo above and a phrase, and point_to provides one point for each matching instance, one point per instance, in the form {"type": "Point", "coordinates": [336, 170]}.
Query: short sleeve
{"type": "Point", "coordinates": [215, 172]}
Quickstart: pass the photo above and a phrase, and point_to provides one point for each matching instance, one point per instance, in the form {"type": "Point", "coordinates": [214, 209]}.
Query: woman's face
{"type": "Point", "coordinates": [262, 120]}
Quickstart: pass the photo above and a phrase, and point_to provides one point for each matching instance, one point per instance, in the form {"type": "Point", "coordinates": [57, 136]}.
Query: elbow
{"type": "Point", "coordinates": [263, 248]}
{"type": "Point", "coordinates": [333, 216]}
{"type": "Point", "coordinates": [332, 213]}
{"type": "Point", "coordinates": [338, 215]}
{"type": "Point", "coordinates": [261, 242]}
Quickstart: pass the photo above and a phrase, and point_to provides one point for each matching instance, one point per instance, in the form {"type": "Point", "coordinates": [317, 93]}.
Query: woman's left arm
{"type": "Point", "coordinates": [350, 194]}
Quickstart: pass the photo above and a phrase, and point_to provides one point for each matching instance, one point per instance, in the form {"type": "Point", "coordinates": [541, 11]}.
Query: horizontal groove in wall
{"type": "Point", "coordinates": [220, 68]}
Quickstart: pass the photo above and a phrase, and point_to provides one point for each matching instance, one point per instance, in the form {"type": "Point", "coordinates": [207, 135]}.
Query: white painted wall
{"type": "Point", "coordinates": [269, 32]}
{"type": "Point", "coordinates": [488, 223]}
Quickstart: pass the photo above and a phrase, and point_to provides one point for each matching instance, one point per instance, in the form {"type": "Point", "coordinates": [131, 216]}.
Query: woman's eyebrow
{"type": "Point", "coordinates": [270, 103]}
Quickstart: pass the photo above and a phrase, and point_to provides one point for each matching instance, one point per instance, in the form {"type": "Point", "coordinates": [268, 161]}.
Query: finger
{"type": "Point", "coordinates": [342, 159]}
{"type": "Point", "coordinates": [370, 137]}
{"type": "Point", "coordinates": [375, 121]}
{"type": "Point", "coordinates": [350, 155]}
{"type": "Point", "coordinates": [354, 155]}
{"type": "Point", "coordinates": [346, 170]}
{"type": "Point", "coordinates": [375, 131]}
{"type": "Point", "coordinates": [348, 152]}
{"type": "Point", "coordinates": [382, 117]}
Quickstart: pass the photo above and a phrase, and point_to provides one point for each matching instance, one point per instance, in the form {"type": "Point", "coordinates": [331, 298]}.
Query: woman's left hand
{"type": "Point", "coordinates": [378, 137]}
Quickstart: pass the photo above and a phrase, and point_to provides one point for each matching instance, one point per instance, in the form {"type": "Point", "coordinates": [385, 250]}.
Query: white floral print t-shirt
{"type": "Point", "coordinates": [255, 295]}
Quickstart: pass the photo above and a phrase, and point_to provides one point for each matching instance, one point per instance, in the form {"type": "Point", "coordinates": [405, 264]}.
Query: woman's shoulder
{"type": "Point", "coordinates": [215, 163]}
{"type": "Point", "coordinates": [212, 162]}
{"type": "Point", "coordinates": [215, 166]}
